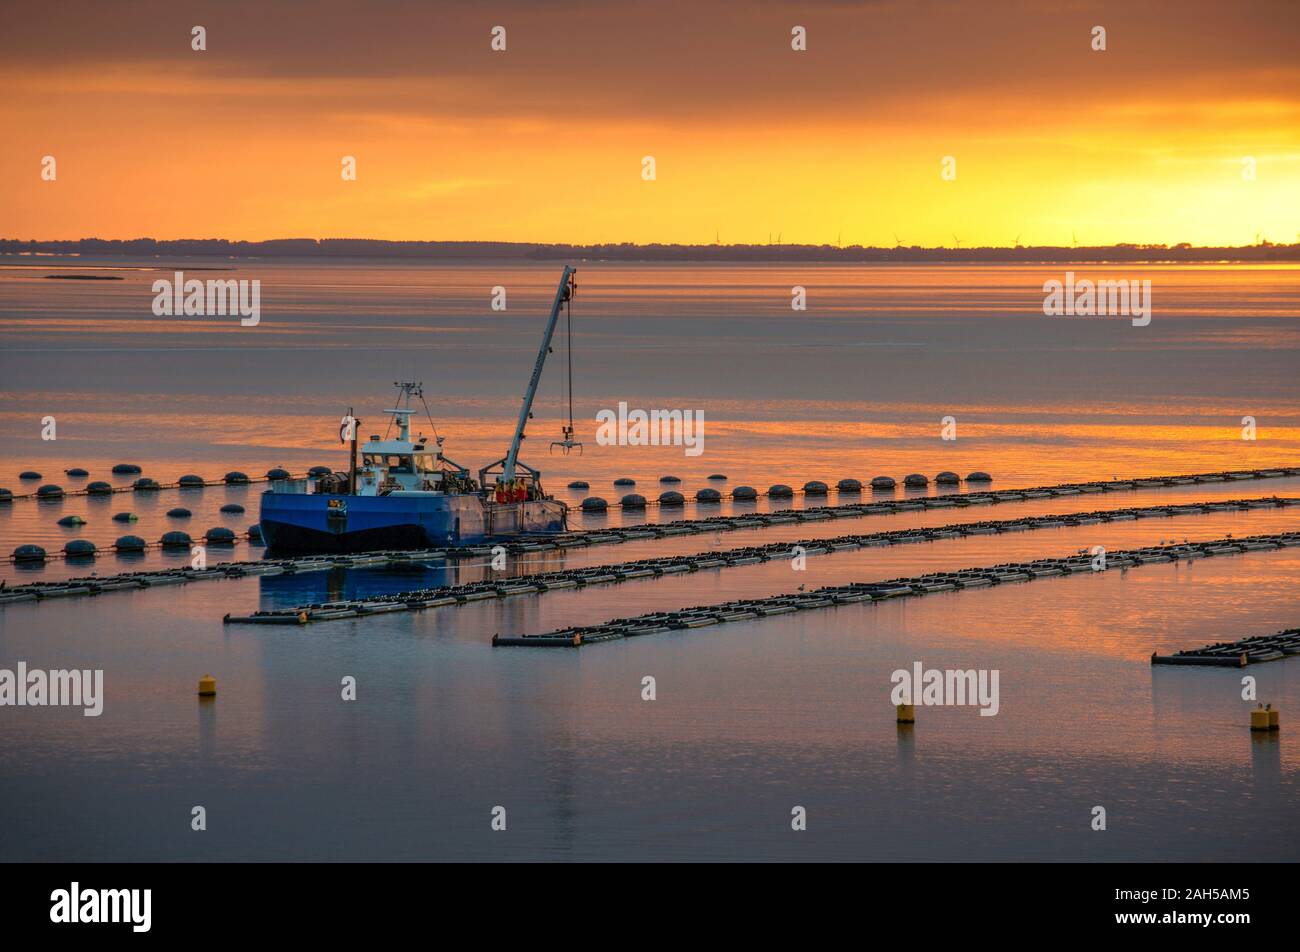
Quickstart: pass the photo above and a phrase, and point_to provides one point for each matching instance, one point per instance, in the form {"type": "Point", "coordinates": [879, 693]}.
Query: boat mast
{"type": "Point", "coordinates": [562, 294]}
{"type": "Point", "coordinates": [402, 414]}
{"type": "Point", "coordinates": [353, 424]}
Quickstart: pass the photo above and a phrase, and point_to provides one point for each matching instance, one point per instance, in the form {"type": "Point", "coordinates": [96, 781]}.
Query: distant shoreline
{"type": "Point", "coordinates": [328, 248]}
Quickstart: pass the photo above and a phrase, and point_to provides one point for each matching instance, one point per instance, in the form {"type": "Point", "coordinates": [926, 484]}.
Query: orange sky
{"type": "Point", "coordinates": [544, 142]}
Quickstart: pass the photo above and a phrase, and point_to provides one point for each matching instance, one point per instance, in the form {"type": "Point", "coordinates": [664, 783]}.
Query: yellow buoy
{"type": "Point", "coordinates": [207, 686]}
{"type": "Point", "coordinates": [1273, 722]}
{"type": "Point", "coordinates": [1259, 718]}
{"type": "Point", "coordinates": [906, 714]}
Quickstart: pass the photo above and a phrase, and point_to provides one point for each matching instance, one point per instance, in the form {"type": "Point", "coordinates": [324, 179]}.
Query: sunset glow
{"type": "Point", "coordinates": [1053, 141]}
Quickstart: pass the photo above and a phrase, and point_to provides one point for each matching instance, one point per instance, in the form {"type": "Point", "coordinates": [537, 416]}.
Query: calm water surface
{"type": "Point", "coordinates": [751, 718]}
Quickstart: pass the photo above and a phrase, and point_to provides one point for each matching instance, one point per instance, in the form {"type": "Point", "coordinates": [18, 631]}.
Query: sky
{"type": "Point", "coordinates": [1153, 140]}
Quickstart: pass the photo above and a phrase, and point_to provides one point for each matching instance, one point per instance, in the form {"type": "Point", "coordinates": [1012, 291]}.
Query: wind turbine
{"type": "Point", "coordinates": [1018, 240]}
{"type": "Point", "coordinates": [898, 242]}
{"type": "Point", "coordinates": [956, 239]}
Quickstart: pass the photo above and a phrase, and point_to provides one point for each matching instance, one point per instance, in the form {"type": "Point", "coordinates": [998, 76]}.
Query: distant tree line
{"type": "Point", "coordinates": [627, 251]}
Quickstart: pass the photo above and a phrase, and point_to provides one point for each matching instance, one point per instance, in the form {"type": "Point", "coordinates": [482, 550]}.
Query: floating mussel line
{"type": "Point", "coordinates": [671, 498]}
{"type": "Point", "coordinates": [850, 510]}
{"type": "Point", "coordinates": [670, 565]}
{"type": "Point", "coordinates": [814, 487]}
{"type": "Point", "coordinates": [84, 548]}
{"type": "Point", "coordinates": [831, 596]}
{"type": "Point", "coordinates": [777, 491]}
{"type": "Point", "coordinates": [629, 481]}
{"type": "Point", "coordinates": [743, 556]}
{"type": "Point", "coordinates": [145, 483]}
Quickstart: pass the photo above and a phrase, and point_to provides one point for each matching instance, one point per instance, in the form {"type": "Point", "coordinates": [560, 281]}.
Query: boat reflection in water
{"type": "Point", "coordinates": [343, 584]}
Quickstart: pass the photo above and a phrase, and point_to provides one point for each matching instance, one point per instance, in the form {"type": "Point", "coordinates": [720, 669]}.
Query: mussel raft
{"type": "Point", "coordinates": [666, 565]}
{"type": "Point", "coordinates": [911, 586]}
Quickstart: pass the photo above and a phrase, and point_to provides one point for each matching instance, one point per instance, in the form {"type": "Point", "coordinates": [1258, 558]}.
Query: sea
{"type": "Point", "coordinates": [770, 739]}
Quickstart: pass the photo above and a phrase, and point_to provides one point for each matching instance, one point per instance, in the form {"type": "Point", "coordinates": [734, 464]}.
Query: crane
{"type": "Point", "coordinates": [563, 294]}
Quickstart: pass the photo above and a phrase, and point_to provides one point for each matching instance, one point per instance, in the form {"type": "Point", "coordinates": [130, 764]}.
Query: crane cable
{"type": "Point", "coordinates": [429, 417]}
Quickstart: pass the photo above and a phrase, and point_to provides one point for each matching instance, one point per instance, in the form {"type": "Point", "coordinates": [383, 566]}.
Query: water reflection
{"type": "Point", "coordinates": [750, 718]}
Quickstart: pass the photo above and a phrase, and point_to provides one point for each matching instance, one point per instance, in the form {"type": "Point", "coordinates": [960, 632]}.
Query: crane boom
{"type": "Point", "coordinates": [562, 294]}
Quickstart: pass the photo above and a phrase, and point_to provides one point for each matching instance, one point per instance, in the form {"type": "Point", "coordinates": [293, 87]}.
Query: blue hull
{"type": "Point", "coordinates": [317, 522]}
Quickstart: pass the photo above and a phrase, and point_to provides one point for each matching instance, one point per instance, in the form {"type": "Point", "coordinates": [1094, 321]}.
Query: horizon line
{"type": "Point", "coordinates": [661, 251]}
